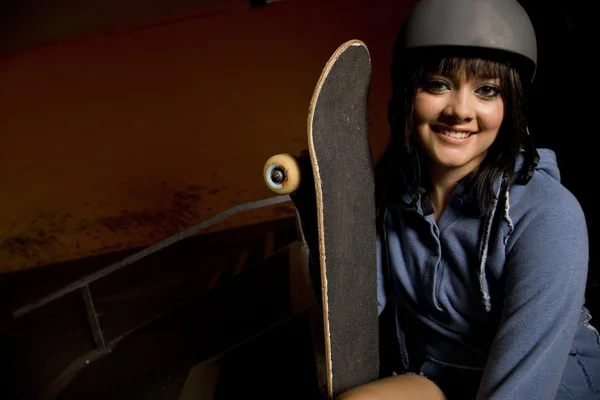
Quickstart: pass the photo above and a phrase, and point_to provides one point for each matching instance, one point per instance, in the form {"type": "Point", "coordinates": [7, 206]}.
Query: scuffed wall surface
{"type": "Point", "coordinates": [117, 141]}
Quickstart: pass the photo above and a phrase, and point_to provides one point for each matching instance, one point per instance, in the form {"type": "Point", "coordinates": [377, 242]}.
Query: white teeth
{"type": "Point", "coordinates": [458, 135]}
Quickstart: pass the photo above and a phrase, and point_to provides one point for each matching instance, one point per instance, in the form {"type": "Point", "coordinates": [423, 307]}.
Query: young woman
{"type": "Point", "coordinates": [483, 253]}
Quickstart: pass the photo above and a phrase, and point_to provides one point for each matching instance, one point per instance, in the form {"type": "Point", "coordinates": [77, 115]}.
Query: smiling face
{"type": "Point", "coordinates": [457, 118]}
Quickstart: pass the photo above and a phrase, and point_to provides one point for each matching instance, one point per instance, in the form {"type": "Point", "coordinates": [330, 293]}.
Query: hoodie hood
{"type": "Point", "coordinates": [547, 164]}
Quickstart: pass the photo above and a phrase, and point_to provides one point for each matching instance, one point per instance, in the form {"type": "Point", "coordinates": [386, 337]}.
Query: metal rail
{"type": "Point", "coordinates": [83, 283]}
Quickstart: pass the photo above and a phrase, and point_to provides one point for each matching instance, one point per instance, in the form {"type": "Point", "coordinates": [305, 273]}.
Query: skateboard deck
{"type": "Point", "coordinates": [343, 205]}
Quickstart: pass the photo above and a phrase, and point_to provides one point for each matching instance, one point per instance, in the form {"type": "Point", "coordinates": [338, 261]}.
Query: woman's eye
{"type": "Point", "coordinates": [488, 91]}
{"type": "Point", "coordinates": [436, 86]}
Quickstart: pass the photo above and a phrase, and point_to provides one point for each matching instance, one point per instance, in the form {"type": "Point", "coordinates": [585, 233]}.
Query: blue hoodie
{"type": "Point", "coordinates": [493, 307]}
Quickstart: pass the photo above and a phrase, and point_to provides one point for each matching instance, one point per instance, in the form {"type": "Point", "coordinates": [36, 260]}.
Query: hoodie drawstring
{"type": "Point", "coordinates": [485, 240]}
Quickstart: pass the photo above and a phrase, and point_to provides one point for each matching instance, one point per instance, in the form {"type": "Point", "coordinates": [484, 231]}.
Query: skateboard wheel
{"type": "Point", "coordinates": [282, 173]}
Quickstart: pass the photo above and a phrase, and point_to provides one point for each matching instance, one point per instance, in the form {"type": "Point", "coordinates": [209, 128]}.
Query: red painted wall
{"type": "Point", "coordinates": [120, 139]}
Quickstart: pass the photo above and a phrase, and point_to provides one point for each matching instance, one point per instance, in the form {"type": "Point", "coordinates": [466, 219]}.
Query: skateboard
{"type": "Point", "coordinates": [338, 188]}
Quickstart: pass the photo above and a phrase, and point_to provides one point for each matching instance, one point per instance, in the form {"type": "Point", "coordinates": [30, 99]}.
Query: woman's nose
{"type": "Point", "coordinates": [460, 106]}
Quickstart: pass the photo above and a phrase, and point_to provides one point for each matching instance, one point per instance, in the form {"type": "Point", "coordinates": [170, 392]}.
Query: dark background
{"type": "Point", "coordinates": [563, 106]}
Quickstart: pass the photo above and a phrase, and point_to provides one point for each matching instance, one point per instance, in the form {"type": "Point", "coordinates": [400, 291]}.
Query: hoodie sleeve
{"type": "Point", "coordinates": [545, 278]}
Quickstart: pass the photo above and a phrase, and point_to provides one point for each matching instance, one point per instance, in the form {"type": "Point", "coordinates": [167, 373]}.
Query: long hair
{"type": "Point", "coordinates": [500, 160]}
